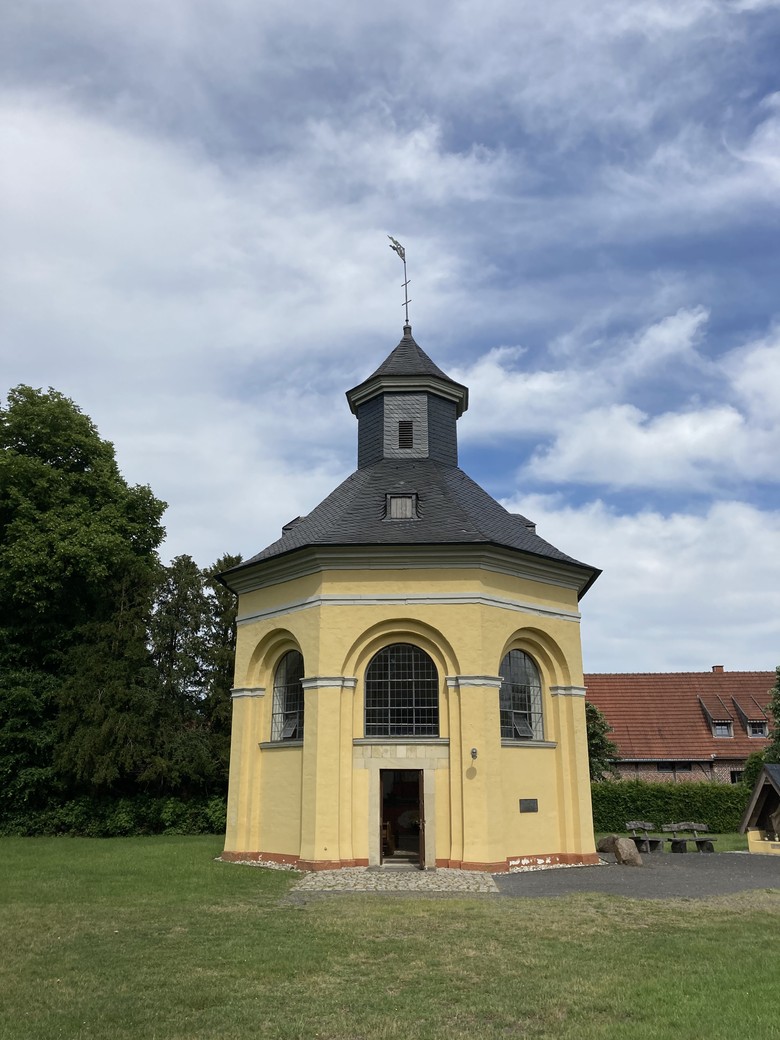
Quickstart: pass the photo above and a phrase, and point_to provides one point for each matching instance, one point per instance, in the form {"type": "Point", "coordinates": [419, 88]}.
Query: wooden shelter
{"type": "Point", "coordinates": [762, 816]}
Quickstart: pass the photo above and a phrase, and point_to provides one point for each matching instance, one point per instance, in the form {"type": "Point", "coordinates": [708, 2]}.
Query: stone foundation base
{"type": "Point", "coordinates": [552, 859]}
{"type": "Point", "coordinates": [330, 864]}
{"type": "Point", "coordinates": [290, 860]}
{"type": "Point", "coordinates": [499, 867]}
{"type": "Point", "coordinates": [555, 859]}
{"type": "Point", "coordinates": [254, 857]}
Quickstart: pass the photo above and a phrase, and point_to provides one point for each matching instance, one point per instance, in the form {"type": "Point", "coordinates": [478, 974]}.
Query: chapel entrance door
{"type": "Point", "coordinates": [402, 838]}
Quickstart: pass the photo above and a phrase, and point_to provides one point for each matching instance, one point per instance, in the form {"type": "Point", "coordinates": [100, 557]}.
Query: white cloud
{"type": "Point", "coordinates": [754, 374]}
{"type": "Point", "coordinates": [763, 147]}
{"type": "Point", "coordinates": [590, 432]}
{"type": "Point", "coordinates": [509, 400]}
{"type": "Point", "coordinates": [621, 447]}
{"type": "Point", "coordinates": [672, 339]}
{"type": "Point", "coordinates": [678, 592]}
{"type": "Point", "coordinates": [196, 199]}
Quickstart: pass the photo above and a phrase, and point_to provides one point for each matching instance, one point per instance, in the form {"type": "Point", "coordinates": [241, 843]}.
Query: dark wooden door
{"type": "Point", "coordinates": [382, 775]}
{"type": "Point", "coordinates": [421, 775]}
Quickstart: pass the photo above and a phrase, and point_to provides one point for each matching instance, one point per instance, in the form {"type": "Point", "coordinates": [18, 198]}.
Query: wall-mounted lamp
{"type": "Point", "coordinates": [473, 752]}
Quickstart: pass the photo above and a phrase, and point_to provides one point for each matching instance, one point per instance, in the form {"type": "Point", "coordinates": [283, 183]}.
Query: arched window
{"type": "Point", "coordinates": [520, 698]}
{"type": "Point", "coordinates": [402, 693]}
{"type": "Point", "coordinates": [287, 720]}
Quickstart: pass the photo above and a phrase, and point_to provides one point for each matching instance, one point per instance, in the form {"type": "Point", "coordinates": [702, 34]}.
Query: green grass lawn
{"type": "Point", "coordinates": [150, 938]}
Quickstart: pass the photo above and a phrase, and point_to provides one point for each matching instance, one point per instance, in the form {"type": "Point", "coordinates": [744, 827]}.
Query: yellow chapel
{"type": "Point", "coordinates": [408, 680]}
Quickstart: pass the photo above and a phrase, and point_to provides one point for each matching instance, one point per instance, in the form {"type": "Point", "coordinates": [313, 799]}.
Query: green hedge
{"type": "Point", "coordinates": [111, 818]}
{"type": "Point", "coordinates": [720, 806]}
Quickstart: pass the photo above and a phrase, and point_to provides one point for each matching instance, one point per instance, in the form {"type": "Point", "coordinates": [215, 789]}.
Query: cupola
{"type": "Point", "coordinates": [407, 409]}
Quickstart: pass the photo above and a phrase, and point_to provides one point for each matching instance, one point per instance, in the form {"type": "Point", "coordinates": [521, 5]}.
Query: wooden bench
{"type": "Point", "coordinates": [642, 839]}
{"type": "Point", "coordinates": [679, 842]}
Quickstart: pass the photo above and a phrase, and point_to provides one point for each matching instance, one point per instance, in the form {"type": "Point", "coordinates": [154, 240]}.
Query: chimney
{"type": "Point", "coordinates": [717, 668]}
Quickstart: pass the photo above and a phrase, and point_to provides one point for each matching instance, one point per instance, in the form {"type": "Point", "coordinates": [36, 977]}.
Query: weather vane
{"type": "Point", "coordinates": [398, 248]}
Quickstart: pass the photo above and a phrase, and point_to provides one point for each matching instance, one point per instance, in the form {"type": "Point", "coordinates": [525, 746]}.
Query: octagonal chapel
{"type": "Point", "coordinates": [408, 684]}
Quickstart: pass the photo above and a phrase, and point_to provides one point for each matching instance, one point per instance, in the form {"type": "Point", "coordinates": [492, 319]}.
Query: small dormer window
{"type": "Point", "coordinates": [757, 729]}
{"type": "Point", "coordinates": [405, 433]}
{"type": "Point", "coordinates": [401, 507]}
{"type": "Point", "coordinates": [721, 729]}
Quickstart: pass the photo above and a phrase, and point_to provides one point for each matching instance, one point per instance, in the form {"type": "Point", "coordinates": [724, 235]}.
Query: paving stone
{"type": "Point", "coordinates": [366, 879]}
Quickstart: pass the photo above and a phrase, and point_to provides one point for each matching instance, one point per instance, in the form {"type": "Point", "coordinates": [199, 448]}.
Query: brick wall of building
{"type": "Point", "coordinates": [723, 772]}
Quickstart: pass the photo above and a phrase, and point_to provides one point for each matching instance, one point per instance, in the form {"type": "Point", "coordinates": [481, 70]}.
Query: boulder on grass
{"type": "Point", "coordinates": [607, 843]}
{"type": "Point", "coordinates": [626, 853]}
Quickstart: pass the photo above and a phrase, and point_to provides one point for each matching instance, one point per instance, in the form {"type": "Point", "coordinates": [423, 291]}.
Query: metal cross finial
{"type": "Point", "coordinates": [398, 248]}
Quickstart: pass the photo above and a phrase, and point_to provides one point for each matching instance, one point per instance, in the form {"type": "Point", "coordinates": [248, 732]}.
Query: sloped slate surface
{"type": "Point", "coordinates": [453, 509]}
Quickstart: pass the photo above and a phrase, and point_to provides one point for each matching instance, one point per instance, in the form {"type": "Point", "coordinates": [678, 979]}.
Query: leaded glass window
{"type": "Point", "coordinates": [287, 719]}
{"type": "Point", "coordinates": [520, 698]}
{"type": "Point", "coordinates": [402, 693]}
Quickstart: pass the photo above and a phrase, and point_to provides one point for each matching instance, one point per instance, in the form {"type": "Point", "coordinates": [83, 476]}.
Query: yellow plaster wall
{"type": "Point", "coordinates": [280, 788]}
{"type": "Point", "coordinates": [244, 797]}
{"type": "Point", "coordinates": [313, 802]}
{"type": "Point", "coordinates": [437, 579]}
{"type": "Point", "coordinates": [323, 801]}
{"type": "Point", "coordinates": [530, 772]}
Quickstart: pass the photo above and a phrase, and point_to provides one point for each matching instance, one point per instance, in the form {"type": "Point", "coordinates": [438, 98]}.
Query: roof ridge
{"type": "Point", "coordinates": [712, 675]}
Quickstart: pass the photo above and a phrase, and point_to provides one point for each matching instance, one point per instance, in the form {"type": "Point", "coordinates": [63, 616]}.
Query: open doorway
{"type": "Point", "coordinates": [402, 817]}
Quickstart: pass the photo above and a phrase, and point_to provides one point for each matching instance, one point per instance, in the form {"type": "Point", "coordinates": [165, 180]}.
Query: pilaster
{"type": "Point", "coordinates": [326, 816]}
{"type": "Point", "coordinates": [479, 774]}
{"type": "Point", "coordinates": [242, 831]}
{"type": "Point", "coordinates": [575, 812]}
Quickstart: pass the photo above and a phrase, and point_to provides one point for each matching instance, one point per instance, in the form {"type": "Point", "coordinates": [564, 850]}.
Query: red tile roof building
{"type": "Point", "coordinates": [677, 726]}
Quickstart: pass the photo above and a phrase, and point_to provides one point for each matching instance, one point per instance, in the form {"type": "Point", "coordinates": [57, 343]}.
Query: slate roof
{"type": "Point", "coordinates": [660, 716]}
{"type": "Point", "coordinates": [409, 359]}
{"type": "Point", "coordinates": [453, 510]}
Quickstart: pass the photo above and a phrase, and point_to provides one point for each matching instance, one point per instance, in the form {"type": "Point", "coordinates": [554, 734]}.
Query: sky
{"type": "Point", "coordinates": [195, 202]}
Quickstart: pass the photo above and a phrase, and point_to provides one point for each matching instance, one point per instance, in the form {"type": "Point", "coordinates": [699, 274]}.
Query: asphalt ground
{"type": "Point", "coordinates": [663, 875]}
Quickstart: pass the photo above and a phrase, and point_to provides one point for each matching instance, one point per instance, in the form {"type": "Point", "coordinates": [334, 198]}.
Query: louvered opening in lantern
{"type": "Point", "coordinates": [405, 433]}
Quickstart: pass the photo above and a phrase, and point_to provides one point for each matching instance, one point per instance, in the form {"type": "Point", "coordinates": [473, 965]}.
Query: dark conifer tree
{"type": "Point", "coordinates": [220, 640]}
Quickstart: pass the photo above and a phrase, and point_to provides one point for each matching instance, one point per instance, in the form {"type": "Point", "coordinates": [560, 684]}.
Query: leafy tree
{"type": "Point", "coordinates": [602, 752]}
{"type": "Point", "coordinates": [115, 672]}
{"type": "Point", "coordinates": [71, 529]}
{"type": "Point", "coordinates": [78, 568]}
{"type": "Point", "coordinates": [772, 752]}
{"type": "Point", "coordinates": [753, 765]}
